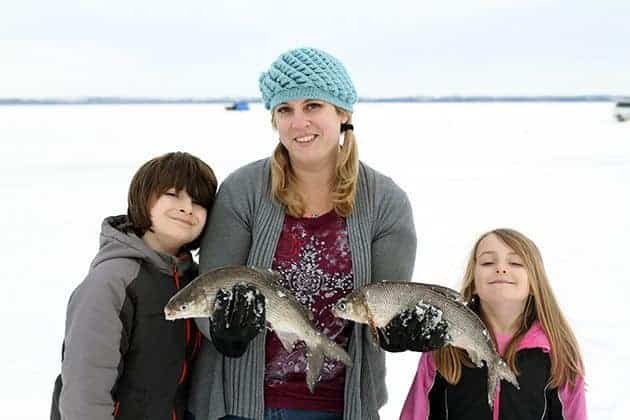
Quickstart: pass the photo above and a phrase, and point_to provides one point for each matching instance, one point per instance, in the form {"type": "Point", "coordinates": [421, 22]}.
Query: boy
{"type": "Point", "coordinates": [120, 357]}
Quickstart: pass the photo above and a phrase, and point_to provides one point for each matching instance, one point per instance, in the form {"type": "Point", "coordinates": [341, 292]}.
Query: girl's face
{"type": "Point", "coordinates": [176, 220]}
{"type": "Point", "coordinates": [500, 273]}
{"type": "Point", "coordinates": [309, 129]}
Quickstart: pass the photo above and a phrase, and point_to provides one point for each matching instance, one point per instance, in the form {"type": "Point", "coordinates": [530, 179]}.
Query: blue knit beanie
{"type": "Point", "coordinates": [307, 73]}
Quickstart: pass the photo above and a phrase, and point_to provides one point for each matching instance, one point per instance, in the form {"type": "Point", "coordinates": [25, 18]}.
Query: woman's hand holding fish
{"type": "Point", "coordinates": [238, 317]}
{"type": "Point", "coordinates": [418, 329]}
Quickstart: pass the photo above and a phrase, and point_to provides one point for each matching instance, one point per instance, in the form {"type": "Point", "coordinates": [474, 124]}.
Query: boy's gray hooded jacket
{"type": "Point", "coordinates": [119, 353]}
{"type": "Point", "coordinates": [244, 228]}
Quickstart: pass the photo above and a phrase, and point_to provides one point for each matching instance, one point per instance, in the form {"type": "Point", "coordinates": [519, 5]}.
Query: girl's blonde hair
{"type": "Point", "coordinates": [284, 182]}
{"type": "Point", "coordinates": [566, 362]}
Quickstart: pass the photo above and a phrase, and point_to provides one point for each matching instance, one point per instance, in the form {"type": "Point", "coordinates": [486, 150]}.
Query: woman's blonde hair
{"type": "Point", "coordinates": [566, 362]}
{"type": "Point", "coordinates": [284, 183]}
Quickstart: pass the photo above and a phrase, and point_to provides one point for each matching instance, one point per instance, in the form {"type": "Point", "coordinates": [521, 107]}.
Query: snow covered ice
{"type": "Point", "coordinates": [559, 172]}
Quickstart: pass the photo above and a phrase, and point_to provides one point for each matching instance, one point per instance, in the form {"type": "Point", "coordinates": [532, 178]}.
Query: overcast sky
{"type": "Point", "coordinates": [216, 48]}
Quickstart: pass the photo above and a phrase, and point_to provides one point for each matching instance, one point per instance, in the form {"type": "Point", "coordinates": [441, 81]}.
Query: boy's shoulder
{"type": "Point", "coordinates": [106, 283]}
{"type": "Point", "coordinates": [116, 272]}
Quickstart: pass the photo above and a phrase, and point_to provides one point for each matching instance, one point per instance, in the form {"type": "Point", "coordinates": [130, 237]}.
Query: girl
{"type": "Point", "coordinates": [120, 357]}
{"type": "Point", "coordinates": [506, 285]}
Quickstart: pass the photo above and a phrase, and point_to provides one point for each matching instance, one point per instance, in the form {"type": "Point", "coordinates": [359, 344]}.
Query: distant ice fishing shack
{"type": "Point", "coordinates": [622, 110]}
{"type": "Point", "coordinates": [238, 106]}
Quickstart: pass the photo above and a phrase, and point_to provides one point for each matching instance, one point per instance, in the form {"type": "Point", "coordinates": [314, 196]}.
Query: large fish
{"type": "Point", "coordinates": [376, 305]}
{"type": "Point", "coordinates": [285, 315]}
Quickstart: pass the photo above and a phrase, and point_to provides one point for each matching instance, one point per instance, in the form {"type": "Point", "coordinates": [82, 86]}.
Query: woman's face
{"type": "Point", "coordinates": [500, 273]}
{"type": "Point", "coordinates": [309, 129]}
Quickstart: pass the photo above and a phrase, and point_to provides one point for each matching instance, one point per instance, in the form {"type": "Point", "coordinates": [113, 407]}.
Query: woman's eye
{"type": "Point", "coordinates": [486, 263]}
{"type": "Point", "coordinates": [518, 264]}
{"type": "Point", "coordinates": [312, 106]}
{"type": "Point", "coordinates": [282, 110]}
{"type": "Point", "coordinates": [170, 193]}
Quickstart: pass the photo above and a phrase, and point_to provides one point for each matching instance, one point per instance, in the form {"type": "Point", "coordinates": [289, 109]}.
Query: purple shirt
{"type": "Point", "coordinates": [313, 257]}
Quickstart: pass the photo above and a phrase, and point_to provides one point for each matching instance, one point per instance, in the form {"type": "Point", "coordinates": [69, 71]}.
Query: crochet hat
{"type": "Point", "coordinates": [307, 73]}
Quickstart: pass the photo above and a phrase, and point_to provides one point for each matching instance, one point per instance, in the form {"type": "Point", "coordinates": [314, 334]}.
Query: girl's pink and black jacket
{"type": "Point", "coordinates": [432, 398]}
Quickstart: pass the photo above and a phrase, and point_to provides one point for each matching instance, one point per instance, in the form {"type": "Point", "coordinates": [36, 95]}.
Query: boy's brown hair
{"type": "Point", "coordinates": [179, 170]}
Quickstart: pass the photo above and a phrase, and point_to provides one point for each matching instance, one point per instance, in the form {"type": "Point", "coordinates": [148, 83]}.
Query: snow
{"type": "Point", "coordinates": [560, 173]}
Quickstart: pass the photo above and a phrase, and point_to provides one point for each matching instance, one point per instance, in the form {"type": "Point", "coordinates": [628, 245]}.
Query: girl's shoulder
{"type": "Point", "coordinates": [535, 337]}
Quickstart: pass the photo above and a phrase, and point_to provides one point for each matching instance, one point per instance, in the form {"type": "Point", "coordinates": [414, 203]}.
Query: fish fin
{"type": "Point", "coordinates": [497, 370]}
{"type": "Point", "coordinates": [274, 276]}
{"type": "Point", "coordinates": [447, 292]}
{"type": "Point", "coordinates": [506, 373]}
{"type": "Point", "coordinates": [334, 351]}
{"type": "Point", "coordinates": [372, 325]}
{"type": "Point", "coordinates": [374, 332]}
{"type": "Point", "coordinates": [314, 363]}
{"type": "Point", "coordinates": [474, 357]}
{"type": "Point", "coordinates": [287, 339]}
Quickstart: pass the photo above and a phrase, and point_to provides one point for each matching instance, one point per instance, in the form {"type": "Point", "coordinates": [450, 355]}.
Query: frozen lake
{"type": "Point", "coordinates": [558, 172]}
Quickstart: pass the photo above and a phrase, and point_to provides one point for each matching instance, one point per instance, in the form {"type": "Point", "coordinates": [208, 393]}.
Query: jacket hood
{"type": "Point", "coordinates": [115, 243]}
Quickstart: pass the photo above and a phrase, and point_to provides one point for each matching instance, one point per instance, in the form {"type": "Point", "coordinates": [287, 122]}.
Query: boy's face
{"type": "Point", "coordinates": [176, 220]}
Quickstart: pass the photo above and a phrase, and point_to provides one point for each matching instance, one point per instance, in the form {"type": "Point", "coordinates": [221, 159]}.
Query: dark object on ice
{"type": "Point", "coordinates": [622, 111]}
{"type": "Point", "coordinates": [238, 106]}
{"type": "Point", "coordinates": [415, 330]}
{"type": "Point", "coordinates": [235, 321]}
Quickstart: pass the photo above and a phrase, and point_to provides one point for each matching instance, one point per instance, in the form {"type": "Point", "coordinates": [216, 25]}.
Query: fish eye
{"type": "Point", "coordinates": [341, 306]}
{"type": "Point", "coordinates": [183, 307]}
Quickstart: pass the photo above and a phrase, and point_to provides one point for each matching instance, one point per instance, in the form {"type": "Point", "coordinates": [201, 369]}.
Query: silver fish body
{"type": "Point", "coordinates": [378, 303]}
{"type": "Point", "coordinates": [284, 314]}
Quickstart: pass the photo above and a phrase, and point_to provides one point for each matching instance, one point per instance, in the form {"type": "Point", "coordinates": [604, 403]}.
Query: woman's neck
{"type": "Point", "coordinates": [503, 318]}
{"type": "Point", "coordinates": [315, 186]}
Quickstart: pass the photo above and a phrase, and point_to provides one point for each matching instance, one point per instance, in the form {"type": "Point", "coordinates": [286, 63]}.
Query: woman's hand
{"type": "Point", "coordinates": [238, 317]}
{"type": "Point", "coordinates": [418, 329]}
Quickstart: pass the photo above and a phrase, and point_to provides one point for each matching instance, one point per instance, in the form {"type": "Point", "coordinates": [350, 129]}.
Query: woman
{"type": "Point", "coordinates": [328, 223]}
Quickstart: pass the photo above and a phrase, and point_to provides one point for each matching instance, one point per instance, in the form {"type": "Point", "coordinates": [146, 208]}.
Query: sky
{"type": "Point", "coordinates": [71, 48]}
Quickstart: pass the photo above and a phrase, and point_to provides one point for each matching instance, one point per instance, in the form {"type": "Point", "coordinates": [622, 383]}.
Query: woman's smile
{"type": "Point", "coordinates": [306, 139]}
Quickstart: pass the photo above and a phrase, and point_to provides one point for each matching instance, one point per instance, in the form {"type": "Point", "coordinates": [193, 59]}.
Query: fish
{"type": "Point", "coordinates": [290, 321]}
{"type": "Point", "coordinates": [376, 304]}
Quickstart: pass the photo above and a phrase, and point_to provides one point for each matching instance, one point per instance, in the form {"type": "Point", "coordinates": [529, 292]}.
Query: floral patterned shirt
{"type": "Point", "coordinates": [313, 257]}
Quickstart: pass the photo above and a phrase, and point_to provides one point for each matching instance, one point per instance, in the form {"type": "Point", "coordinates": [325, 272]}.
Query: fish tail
{"type": "Point", "coordinates": [314, 362]}
{"type": "Point", "coordinates": [498, 370]}
{"type": "Point", "coordinates": [315, 358]}
{"type": "Point", "coordinates": [334, 351]}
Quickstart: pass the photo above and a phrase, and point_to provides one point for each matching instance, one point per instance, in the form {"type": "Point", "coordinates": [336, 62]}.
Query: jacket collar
{"type": "Point", "coordinates": [535, 337]}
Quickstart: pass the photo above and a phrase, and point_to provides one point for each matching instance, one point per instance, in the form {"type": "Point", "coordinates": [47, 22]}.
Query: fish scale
{"type": "Point", "coordinates": [378, 303]}
{"type": "Point", "coordinates": [284, 314]}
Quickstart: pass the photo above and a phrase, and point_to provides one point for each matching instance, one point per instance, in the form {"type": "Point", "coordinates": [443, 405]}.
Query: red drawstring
{"type": "Point", "coordinates": [176, 276]}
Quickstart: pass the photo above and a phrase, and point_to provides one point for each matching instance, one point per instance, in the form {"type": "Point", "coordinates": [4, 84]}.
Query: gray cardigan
{"type": "Point", "coordinates": [244, 228]}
